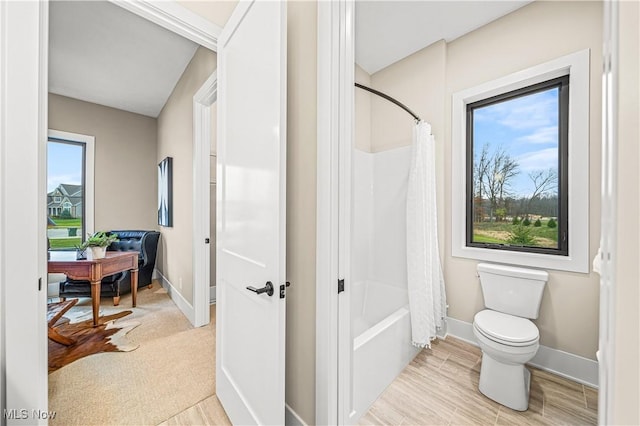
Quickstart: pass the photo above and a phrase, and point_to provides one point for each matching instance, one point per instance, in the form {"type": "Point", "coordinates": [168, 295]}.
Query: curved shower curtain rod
{"type": "Point", "coordinates": [389, 98]}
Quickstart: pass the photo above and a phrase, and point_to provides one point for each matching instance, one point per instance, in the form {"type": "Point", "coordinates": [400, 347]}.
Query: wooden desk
{"type": "Point", "coordinates": [94, 270]}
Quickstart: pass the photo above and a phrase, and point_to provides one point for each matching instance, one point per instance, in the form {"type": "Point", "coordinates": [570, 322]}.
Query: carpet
{"type": "Point", "coordinates": [173, 369]}
{"type": "Point", "coordinates": [109, 336]}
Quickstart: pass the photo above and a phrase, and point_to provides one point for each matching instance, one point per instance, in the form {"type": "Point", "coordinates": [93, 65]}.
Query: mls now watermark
{"type": "Point", "coordinates": [24, 414]}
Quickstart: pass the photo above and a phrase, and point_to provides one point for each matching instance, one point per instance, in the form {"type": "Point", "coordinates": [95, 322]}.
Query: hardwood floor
{"type": "Point", "coordinates": [440, 387]}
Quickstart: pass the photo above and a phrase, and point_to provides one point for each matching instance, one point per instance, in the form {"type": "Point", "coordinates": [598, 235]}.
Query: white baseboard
{"type": "Point", "coordinates": [461, 330]}
{"type": "Point", "coordinates": [212, 294]}
{"type": "Point", "coordinates": [574, 367]}
{"type": "Point", "coordinates": [178, 299]}
{"type": "Point", "coordinates": [291, 418]}
{"type": "Point", "coordinates": [570, 366]}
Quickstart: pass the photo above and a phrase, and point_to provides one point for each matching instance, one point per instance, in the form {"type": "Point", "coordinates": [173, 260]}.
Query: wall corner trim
{"type": "Point", "coordinates": [564, 364]}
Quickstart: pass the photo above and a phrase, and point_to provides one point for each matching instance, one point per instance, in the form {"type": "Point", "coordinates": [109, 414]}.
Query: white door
{"type": "Point", "coordinates": [250, 347]}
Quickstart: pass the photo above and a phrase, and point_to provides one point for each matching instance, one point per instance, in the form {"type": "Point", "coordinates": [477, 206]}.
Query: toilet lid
{"type": "Point", "coordinates": [506, 328]}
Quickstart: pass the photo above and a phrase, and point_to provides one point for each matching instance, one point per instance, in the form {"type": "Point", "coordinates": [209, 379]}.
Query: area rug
{"type": "Point", "coordinates": [109, 336]}
{"type": "Point", "coordinates": [171, 371]}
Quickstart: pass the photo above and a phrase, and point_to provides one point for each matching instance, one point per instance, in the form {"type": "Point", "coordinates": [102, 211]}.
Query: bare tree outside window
{"type": "Point", "coordinates": [517, 167]}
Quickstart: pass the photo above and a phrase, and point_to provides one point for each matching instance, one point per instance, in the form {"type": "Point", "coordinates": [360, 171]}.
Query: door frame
{"type": "Point", "coordinates": [608, 232]}
{"type": "Point", "coordinates": [202, 102]}
{"type": "Point", "coordinates": [335, 78]}
{"type": "Point", "coordinates": [335, 130]}
{"type": "Point", "coordinates": [174, 17]}
{"type": "Point", "coordinates": [24, 66]}
{"type": "Point", "coordinates": [23, 296]}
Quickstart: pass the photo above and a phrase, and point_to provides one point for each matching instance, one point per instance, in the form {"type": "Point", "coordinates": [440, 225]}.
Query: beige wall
{"type": "Point", "coordinates": [532, 35]}
{"type": "Point", "coordinates": [125, 160]}
{"type": "Point", "coordinates": [175, 139]}
{"type": "Point", "coordinates": [217, 12]}
{"type": "Point", "coordinates": [418, 82]}
{"type": "Point", "coordinates": [626, 392]}
{"type": "Point", "coordinates": [425, 82]}
{"type": "Point", "coordinates": [301, 208]}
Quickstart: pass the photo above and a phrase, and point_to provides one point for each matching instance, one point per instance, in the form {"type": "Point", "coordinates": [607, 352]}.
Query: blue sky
{"type": "Point", "coordinates": [527, 129]}
{"type": "Point", "coordinates": [64, 164]}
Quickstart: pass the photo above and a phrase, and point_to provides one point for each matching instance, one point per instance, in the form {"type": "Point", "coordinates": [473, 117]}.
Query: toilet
{"type": "Point", "coordinates": [507, 337]}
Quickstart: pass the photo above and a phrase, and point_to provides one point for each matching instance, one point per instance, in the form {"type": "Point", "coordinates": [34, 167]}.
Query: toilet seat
{"type": "Point", "coordinates": [506, 329]}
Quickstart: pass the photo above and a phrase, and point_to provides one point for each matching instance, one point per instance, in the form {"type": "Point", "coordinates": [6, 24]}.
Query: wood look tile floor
{"type": "Point", "coordinates": [440, 387]}
{"type": "Point", "coordinates": [207, 412]}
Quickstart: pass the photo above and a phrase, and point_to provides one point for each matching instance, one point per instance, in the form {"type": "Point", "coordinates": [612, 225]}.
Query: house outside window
{"type": "Point", "coordinates": [69, 187]}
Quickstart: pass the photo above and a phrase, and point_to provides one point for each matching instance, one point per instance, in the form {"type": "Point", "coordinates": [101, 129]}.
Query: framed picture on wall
{"type": "Point", "coordinates": [165, 192]}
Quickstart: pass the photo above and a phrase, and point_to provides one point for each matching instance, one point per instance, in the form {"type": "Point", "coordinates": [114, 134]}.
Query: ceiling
{"type": "Point", "coordinates": [387, 31]}
{"type": "Point", "coordinates": [101, 53]}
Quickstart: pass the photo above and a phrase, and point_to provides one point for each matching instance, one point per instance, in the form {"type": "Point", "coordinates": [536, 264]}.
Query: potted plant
{"type": "Point", "coordinates": [98, 243]}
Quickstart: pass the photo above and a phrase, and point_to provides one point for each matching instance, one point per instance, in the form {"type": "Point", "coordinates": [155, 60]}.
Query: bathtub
{"type": "Point", "coordinates": [382, 347]}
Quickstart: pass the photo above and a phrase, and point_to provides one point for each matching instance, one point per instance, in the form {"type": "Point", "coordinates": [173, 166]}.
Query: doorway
{"type": "Point", "coordinates": [332, 270]}
{"type": "Point", "coordinates": [30, 21]}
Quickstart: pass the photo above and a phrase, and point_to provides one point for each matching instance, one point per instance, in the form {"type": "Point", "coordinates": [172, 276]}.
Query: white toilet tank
{"type": "Point", "coordinates": [512, 290]}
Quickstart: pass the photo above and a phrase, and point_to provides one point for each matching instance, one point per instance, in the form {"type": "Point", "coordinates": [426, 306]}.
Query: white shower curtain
{"type": "Point", "coordinates": [427, 300]}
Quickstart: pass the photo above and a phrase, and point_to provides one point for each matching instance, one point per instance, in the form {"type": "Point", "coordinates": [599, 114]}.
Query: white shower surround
{"type": "Point", "coordinates": [382, 348]}
{"type": "Point", "coordinates": [380, 322]}
{"type": "Point", "coordinates": [379, 244]}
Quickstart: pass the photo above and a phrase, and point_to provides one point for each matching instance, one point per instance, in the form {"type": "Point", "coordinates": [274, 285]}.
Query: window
{"type": "Point", "coordinates": [517, 144]}
{"type": "Point", "coordinates": [520, 167]}
{"type": "Point", "coordinates": [69, 189]}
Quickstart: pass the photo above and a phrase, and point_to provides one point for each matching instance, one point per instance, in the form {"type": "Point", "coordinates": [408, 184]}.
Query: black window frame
{"type": "Point", "coordinates": [562, 83]}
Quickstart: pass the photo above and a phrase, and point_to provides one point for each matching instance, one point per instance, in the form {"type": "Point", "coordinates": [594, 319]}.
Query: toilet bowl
{"type": "Point", "coordinates": [507, 337]}
{"type": "Point", "coordinates": [507, 343]}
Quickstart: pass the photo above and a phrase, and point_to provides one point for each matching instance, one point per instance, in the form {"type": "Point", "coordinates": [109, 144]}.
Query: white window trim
{"type": "Point", "coordinates": [576, 65]}
{"type": "Point", "coordinates": [89, 170]}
